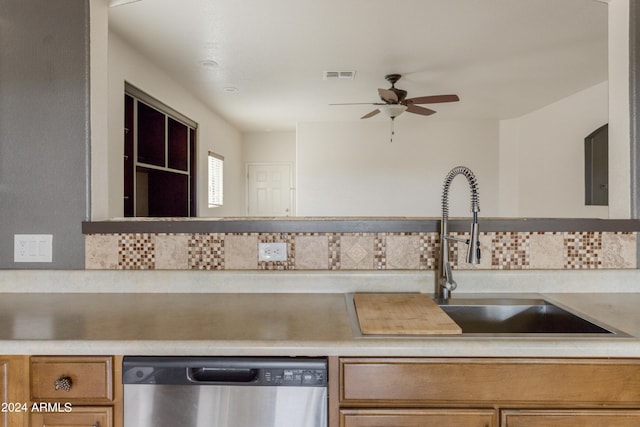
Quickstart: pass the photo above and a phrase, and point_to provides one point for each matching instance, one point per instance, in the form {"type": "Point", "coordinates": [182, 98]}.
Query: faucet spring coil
{"type": "Point", "coordinates": [473, 183]}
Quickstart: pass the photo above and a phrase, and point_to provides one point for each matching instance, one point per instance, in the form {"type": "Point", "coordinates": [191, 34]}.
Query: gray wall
{"type": "Point", "coordinates": [44, 126]}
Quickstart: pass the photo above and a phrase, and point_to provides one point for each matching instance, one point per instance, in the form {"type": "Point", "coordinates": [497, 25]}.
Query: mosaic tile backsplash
{"type": "Point", "coordinates": [359, 251]}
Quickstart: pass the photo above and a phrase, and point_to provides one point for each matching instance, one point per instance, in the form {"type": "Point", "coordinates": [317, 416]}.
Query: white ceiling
{"type": "Point", "coordinates": [503, 58]}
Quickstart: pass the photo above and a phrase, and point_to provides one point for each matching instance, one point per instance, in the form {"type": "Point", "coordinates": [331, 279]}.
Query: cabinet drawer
{"type": "Point", "coordinates": [582, 418]}
{"type": "Point", "coordinates": [82, 416]}
{"type": "Point", "coordinates": [91, 379]}
{"type": "Point", "coordinates": [417, 418]}
{"type": "Point", "coordinates": [466, 381]}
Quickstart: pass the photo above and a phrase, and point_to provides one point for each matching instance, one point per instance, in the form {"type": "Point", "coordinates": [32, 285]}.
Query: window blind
{"type": "Point", "coordinates": [216, 187]}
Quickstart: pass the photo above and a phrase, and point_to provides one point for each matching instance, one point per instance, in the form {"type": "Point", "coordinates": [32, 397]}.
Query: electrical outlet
{"type": "Point", "coordinates": [32, 248]}
{"type": "Point", "coordinates": [272, 251]}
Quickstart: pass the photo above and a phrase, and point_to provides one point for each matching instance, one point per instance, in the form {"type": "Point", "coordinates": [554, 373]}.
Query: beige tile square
{"type": "Point", "coordinates": [619, 250]}
{"type": "Point", "coordinates": [172, 251]}
{"type": "Point", "coordinates": [240, 252]}
{"type": "Point", "coordinates": [312, 252]}
{"type": "Point", "coordinates": [403, 252]}
{"type": "Point", "coordinates": [546, 250]}
{"type": "Point", "coordinates": [356, 252]}
{"type": "Point", "coordinates": [101, 251]}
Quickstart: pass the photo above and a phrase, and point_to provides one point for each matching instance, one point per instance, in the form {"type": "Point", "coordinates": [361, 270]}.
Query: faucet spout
{"type": "Point", "coordinates": [446, 284]}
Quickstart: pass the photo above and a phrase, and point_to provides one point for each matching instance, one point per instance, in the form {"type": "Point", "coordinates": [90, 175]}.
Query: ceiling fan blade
{"type": "Point", "coordinates": [371, 114]}
{"type": "Point", "coordinates": [388, 96]}
{"type": "Point", "coordinates": [433, 99]}
{"type": "Point", "coordinates": [419, 110]}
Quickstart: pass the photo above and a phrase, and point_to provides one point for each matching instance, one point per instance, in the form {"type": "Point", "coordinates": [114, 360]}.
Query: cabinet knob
{"type": "Point", "coordinates": [63, 383]}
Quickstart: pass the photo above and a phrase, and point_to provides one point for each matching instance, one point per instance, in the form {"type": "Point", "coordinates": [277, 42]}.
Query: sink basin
{"type": "Point", "coordinates": [504, 317]}
{"type": "Point", "coordinates": [518, 316]}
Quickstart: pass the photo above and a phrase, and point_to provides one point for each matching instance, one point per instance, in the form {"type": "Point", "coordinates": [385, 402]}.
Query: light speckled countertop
{"type": "Point", "coordinates": [282, 314]}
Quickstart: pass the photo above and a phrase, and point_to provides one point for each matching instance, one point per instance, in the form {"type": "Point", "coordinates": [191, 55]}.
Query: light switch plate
{"type": "Point", "coordinates": [272, 251]}
{"type": "Point", "coordinates": [33, 248]}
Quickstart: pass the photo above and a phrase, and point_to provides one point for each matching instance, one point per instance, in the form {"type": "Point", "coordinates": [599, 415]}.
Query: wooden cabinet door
{"type": "Point", "coordinates": [14, 390]}
{"type": "Point", "coordinates": [84, 416]}
{"type": "Point", "coordinates": [417, 418]}
{"type": "Point", "coordinates": [573, 418]}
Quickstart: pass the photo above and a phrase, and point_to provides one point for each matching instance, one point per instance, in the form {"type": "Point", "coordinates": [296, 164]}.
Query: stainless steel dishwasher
{"type": "Point", "coordinates": [224, 392]}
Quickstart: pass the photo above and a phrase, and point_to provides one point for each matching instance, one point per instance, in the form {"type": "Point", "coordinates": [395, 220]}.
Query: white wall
{"type": "Point", "coordinates": [542, 157]}
{"type": "Point", "coordinates": [269, 147]}
{"type": "Point", "coordinates": [351, 168]}
{"type": "Point", "coordinates": [99, 63]}
{"type": "Point", "coordinates": [531, 166]}
{"type": "Point", "coordinates": [126, 64]}
{"type": "Point", "coordinates": [619, 115]}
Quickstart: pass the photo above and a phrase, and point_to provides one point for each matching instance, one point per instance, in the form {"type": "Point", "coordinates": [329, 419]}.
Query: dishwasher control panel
{"type": "Point", "coordinates": [238, 371]}
{"type": "Point", "coordinates": [294, 377]}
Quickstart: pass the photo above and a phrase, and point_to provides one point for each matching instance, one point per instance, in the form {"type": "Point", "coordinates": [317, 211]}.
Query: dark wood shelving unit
{"type": "Point", "coordinates": [159, 160]}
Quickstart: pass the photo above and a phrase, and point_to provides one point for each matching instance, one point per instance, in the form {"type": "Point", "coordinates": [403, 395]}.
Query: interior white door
{"type": "Point", "coordinates": [269, 189]}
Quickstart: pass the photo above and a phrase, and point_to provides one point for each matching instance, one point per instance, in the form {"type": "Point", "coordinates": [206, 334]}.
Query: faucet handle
{"type": "Point", "coordinates": [449, 283]}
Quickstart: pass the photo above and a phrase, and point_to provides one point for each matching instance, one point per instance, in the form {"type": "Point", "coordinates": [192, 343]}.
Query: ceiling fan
{"type": "Point", "coordinates": [395, 101]}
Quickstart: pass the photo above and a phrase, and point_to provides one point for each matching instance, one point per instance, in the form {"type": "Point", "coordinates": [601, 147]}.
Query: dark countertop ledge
{"type": "Point", "coordinates": [352, 225]}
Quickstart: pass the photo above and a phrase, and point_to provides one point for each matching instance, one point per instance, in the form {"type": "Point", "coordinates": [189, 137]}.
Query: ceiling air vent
{"type": "Point", "coordinates": [338, 75]}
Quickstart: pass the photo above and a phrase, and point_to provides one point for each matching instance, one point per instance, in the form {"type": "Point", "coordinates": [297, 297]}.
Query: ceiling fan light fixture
{"type": "Point", "coordinates": [393, 110]}
{"type": "Point", "coordinates": [208, 63]}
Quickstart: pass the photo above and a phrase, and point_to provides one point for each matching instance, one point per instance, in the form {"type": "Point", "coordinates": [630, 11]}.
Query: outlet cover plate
{"type": "Point", "coordinates": [32, 248]}
{"type": "Point", "coordinates": [272, 251]}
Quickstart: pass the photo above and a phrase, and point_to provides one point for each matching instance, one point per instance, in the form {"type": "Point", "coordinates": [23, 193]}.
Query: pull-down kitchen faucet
{"type": "Point", "coordinates": [446, 284]}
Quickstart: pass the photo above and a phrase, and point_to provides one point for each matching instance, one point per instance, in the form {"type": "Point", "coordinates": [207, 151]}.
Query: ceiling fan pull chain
{"type": "Point", "coordinates": [393, 132]}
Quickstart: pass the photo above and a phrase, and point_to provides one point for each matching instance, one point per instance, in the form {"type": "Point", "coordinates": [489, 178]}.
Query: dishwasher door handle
{"type": "Point", "coordinates": [222, 375]}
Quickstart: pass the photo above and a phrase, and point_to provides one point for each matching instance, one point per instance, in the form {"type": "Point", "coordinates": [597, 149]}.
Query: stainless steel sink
{"type": "Point", "coordinates": [504, 317]}
{"type": "Point", "coordinates": [519, 316]}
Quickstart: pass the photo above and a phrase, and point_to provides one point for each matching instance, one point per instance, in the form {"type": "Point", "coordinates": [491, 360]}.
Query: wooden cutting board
{"type": "Point", "coordinates": [402, 314]}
